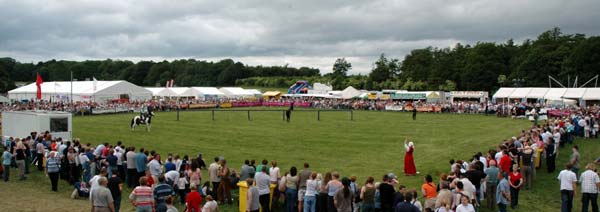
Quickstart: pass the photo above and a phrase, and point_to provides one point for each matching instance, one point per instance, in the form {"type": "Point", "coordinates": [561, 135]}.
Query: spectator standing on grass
{"type": "Point", "coordinates": [303, 177]}
{"type": "Point", "coordinates": [140, 165]}
{"type": "Point", "coordinates": [40, 150]}
{"type": "Point", "coordinates": [275, 176]}
{"type": "Point", "coordinates": [263, 183]}
{"type": "Point", "coordinates": [246, 170]}
{"type": "Point", "coordinates": [193, 200]}
{"type": "Point", "coordinates": [210, 205]}
{"type": "Point", "coordinates": [213, 175]}
{"type": "Point", "coordinates": [386, 194]}
{"type": "Point", "coordinates": [465, 205]}
{"type": "Point", "coordinates": [550, 157]}
{"type": "Point", "coordinates": [291, 189]}
{"type": "Point", "coordinates": [85, 164]}
{"type": "Point", "coordinates": [575, 159]}
{"type": "Point", "coordinates": [589, 188]}
{"type": "Point", "coordinates": [170, 207]}
{"type": "Point", "coordinates": [568, 185]}
{"type": "Point", "coordinates": [155, 167]}
{"type": "Point", "coordinates": [527, 167]}
{"type": "Point", "coordinates": [332, 187]}
{"type": "Point", "coordinates": [131, 168]}
{"type": "Point", "coordinates": [52, 170]}
{"type": "Point", "coordinates": [491, 181]}
{"type": "Point", "coordinates": [406, 205]}
{"type": "Point", "coordinates": [6, 161]}
{"type": "Point", "coordinates": [161, 192]}
{"type": "Point", "coordinates": [429, 192]}
{"type": "Point", "coordinates": [141, 197]}
{"type": "Point", "coordinates": [101, 198]}
{"type": "Point", "coordinates": [343, 198]}
{"type": "Point", "coordinates": [195, 175]}
{"type": "Point", "coordinates": [224, 190]}
{"type": "Point", "coordinates": [516, 182]}
{"type": "Point", "coordinates": [367, 195]}
{"type": "Point", "coordinates": [181, 186]}
{"type": "Point", "coordinates": [310, 197]}
{"type": "Point", "coordinates": [323, 193]}
{"type": "Point", "coordinates": [252, 197]}
{"type": "Point", "coordinates": [444, 197]}
{"type": "Point", "coordinates": [502, 193]}
{"type": "Point", "coordinates": [115, 185]}
{"type": "Point", "coordinates": [19, 153]}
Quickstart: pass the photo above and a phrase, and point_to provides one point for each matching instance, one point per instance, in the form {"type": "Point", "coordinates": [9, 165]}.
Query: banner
{"type": "Point", "coordinates": [38, 84]}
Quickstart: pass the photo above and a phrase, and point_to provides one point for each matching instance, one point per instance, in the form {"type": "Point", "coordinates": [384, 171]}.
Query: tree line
{"type": "Point", "coordinates": [484, 66]}
{"type": "Point", "coordinates": [187, 72]}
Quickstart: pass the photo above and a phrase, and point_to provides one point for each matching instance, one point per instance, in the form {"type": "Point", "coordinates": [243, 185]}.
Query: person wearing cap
{"type": "Point", "coordinates": [409, 161]}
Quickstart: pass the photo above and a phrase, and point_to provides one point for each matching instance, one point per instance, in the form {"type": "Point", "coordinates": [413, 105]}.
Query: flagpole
{"type": "Point", "coordinates": [72, 106]}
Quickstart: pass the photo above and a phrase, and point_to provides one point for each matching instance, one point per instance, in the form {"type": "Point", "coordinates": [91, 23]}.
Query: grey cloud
{"type": "Point", "coordinates": [302, 33]}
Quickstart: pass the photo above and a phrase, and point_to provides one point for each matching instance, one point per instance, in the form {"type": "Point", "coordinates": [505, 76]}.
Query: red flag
{"type": "Point", "coordinates": [38, 83]}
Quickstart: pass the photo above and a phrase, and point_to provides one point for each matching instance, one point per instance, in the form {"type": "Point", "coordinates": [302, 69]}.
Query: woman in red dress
{"type": "Point", "coordinates": [409, 161]}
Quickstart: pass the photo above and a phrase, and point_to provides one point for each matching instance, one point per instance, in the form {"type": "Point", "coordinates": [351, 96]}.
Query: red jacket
{"type": "Point", "coordinates": [505, 163]}
{"type": "Point", "coordinates": [193, 201]}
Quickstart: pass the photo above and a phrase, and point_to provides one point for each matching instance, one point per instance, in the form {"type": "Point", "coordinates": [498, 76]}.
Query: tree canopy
{"type": "Point", "coordinates": [483, 66]}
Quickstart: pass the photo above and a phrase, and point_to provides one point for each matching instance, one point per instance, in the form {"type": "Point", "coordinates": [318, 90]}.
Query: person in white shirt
{"type": "Point", "coordinates": [590, 183]}
{"type": "Point", "coordinates": [210, 205]}
{"type": "Point", "coordinates": [262, 180]}
{"type": "Point", "coordinates": [568, 185]}
{"type": "Point", "coordinates": [465, 205]}
{"type": "Point", "coordinates": [274, 172]}
{"type": "Point", "coordinates": [171, 177]}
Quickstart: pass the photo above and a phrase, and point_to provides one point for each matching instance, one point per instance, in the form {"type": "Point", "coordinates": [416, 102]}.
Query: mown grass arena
{"type": "Point", "coordinates": [369, 145]}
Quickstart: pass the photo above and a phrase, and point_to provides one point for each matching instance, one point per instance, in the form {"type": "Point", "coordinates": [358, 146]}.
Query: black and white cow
{"type": "Point", "coordinates": [142, 119]}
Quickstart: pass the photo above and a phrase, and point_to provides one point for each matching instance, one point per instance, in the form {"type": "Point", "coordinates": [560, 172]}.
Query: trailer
{"type": "Point", "coordinates": [20, 124]}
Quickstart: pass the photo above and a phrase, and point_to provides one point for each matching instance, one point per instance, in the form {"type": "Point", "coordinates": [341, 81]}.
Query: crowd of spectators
{"type": "Point", "coordinates": [492, 178]}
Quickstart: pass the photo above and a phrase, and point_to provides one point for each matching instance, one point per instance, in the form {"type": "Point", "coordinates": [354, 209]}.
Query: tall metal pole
{"type": "Point", "coordinates": [72, 106]}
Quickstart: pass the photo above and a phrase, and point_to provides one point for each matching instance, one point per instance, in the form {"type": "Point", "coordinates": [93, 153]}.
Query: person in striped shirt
{"type": "Point", "coordinates": [161, 192]}
{"type": "Point", "coordinates": [52, 169]}
{"type": "Point", "coordinates": [141, 197]}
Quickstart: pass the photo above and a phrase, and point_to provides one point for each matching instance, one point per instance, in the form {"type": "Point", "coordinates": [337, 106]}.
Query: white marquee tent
{"type": "Point", "coordinates": [98, 91]}
{"type": "Point", "coordinates": [235, 92]}
{"type": "Point", "coordinates": [162, 92]}
{"type": "Point", "coordinates": [548, 93]}
{"type": "Point", "coordinates": [350, 92]}
{"type": "Point", "coordinates": [537, 93]}
{"type": "Point", "coordinates": [207, 92]}
{"type": "Point", "coordinates": [591, 94]}
{"type": "Point", "coordinates": [503, 93]}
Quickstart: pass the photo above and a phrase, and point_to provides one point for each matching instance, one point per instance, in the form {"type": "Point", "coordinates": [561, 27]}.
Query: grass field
{"type": "Point", "coordinates": [371, 145]}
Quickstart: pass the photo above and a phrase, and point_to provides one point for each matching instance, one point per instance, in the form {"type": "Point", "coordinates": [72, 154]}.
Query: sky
{"type": "Point", "coordinates": [311, 33]}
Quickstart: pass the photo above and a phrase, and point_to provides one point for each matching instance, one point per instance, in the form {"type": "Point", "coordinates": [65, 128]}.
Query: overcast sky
{"type": "Point", "coordinates": [309, 33]}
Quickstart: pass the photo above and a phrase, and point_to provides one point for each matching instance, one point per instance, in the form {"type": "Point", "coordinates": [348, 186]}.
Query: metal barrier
{"type": "Point", "coordinates": [283, 117]}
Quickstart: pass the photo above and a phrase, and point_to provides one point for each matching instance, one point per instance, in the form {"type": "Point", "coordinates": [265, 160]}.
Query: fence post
{"type": "Point", "coordinates": [318, 115]}
{"type": "Point", "coordinates": [248, 115]}
{"type": "Point", "coordinates": [213, 115]}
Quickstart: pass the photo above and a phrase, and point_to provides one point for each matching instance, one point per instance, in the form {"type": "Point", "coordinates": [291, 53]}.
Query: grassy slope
{"type": "Point", "coordinates": [370, 145]}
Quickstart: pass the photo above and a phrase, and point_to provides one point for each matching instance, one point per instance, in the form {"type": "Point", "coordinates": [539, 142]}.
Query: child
{"type": "Point", "coordinates": [181, 186]}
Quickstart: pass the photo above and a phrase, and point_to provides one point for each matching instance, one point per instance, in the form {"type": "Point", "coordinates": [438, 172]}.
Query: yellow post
{"type": "Point", "coordinates": [243, 187]}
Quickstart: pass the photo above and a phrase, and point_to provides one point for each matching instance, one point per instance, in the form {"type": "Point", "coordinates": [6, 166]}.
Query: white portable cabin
{"type": "Point", "coordinates": [21, 123]}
